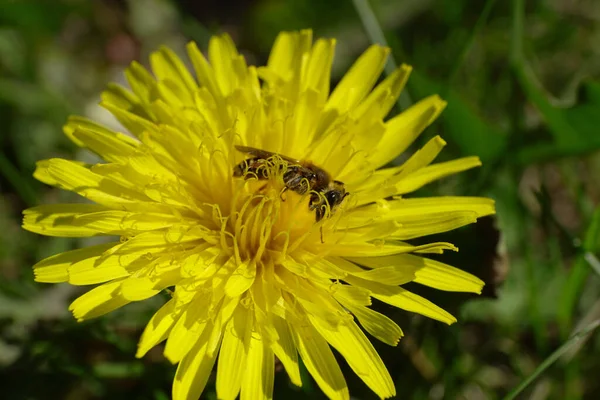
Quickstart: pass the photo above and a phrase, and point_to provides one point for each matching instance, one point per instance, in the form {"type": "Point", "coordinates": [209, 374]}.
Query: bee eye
{"type": "Point", "coordinates": [332, 198]}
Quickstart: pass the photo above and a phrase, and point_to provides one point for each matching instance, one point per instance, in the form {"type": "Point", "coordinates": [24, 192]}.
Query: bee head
{"type": "Point", "coordinates": [335, 193]}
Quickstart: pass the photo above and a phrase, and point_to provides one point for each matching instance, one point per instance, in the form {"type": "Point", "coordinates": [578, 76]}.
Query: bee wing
{"type": "Point", "coordinates": [264, 154]}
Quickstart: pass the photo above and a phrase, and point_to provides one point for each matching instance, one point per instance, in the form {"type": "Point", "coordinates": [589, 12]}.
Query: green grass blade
{"type": "Point", "coordinates": [593, 261]}
{"type": "Point", "coordinates": [573, 340]}
{"type": "Point", "coordinates": [516, 38]}
{"type": "Point", "coordinates": [579, 273]}
{"type": "Point", "coordinates": [481, 21]}
{"type": "Point", "coordinates": [20, 184]}
{"type": "Point", "coordinates": [591, 242]}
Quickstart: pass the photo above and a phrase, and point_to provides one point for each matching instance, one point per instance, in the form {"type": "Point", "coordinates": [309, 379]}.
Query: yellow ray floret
{"type": "Point", "coordinates": [278, 262]}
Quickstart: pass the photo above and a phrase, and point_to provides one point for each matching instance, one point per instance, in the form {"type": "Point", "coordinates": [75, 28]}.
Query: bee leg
{"type": "Point", "coordinates": [314, 204]}
{"type": "Point", "coordinates": [285, 188]}
{"type": "Point", "coordinates": [319, 211]}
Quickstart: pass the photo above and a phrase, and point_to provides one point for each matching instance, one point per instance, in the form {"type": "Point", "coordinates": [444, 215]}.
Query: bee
{"type": "Point", "coordinates": [299, 176]}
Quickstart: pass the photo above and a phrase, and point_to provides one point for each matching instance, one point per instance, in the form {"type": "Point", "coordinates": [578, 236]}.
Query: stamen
{"type": "Point", "coordinates": [267, 220]}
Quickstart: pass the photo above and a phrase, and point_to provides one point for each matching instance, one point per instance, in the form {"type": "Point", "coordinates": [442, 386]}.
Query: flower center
{"type": "Point", "coordinates": [268, 220]}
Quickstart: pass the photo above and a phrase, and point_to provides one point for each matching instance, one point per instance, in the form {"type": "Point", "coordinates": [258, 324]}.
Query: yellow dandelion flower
{"type": "Point", "coordinates": [263, 259]}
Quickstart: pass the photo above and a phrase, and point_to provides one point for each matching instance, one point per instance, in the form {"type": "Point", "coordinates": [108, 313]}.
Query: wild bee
{"type": "Point", "coordinates": [299, 176]}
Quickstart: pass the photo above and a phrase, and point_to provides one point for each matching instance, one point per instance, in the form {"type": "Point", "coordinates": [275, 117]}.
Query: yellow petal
{"type": "Point", "coordinates": [421, 158]}
{"type": "Point", "coordinates": [111, 146]}
{"type": "Point", "coordinates": [303, 125]}
{"type": "Point", "coordinates": [403, 129]}
{"type": "Point", "coordinates": [204, 72]}
{"type": "Point", "coordinates": [319, 361]}
{"type": "Point", "coordinates": [318, 69]}
{"type": "Point", "coordinates": [156, 241]}
{"type": "Point", "coordinates": [287, 52]}
{"type": "Point", "coordinates": [434, 172]}
{"type": "Point", "coordinates": [331, 150]}
{"type": "Point", "coordinates": [193, 371]}
{"type": "Point", "coordinates": [188, 328]}
{"type": "Point", "coordinates": [427, 272]}
{"type": "Point", "coordinates": [387, 276]}
{"type": "Point", "coordinates": [134, 123]}
{"type": "Point", "coordinates": [222, 54]}
{"type": "Point", "coordinates": [308, 266]}
{"type": "Point", "coordinates": [41, 173]}
{"type": "Point", "coordinates": [223, 316]}
{"type": "Point", "coordinates": [120, 97]}
{"type": "Point", "coordinates": [445, 277]}
{"type": "Point", "coordinates": [57, 219]}
{"type": "Point", "coordinates": [257, 383]}
{"type": "Point", "coordinates": [406, 211]}
{"type": "Point", "coordinates": [141, 288]}
{"type": "Point", "coordinates": [396, 230]}
{"type": "Point", "coordinates": [98, 301]}
{"type": "Point", "coordinates": [283, 347]}
{"type": "Point", "coordinates": [380, 101]}
{"type": "Point", "coordinates": [355, 166]}
{"type": "Point", "coordinates": [55, 269]}
{"type": "Point", "coordinates": [158, 328]}
{"type": "Point", "coordinates": [124, 222]}
{"type": "Point", "coordinates": [408, 301]}
{"type": "Point", "coordinates": [167, 66]}
{"type": "Point", "coordinates": [311, 296]}
{"type": "Point", "coordinates": [347, 294]}
{"type": "Point", "coordinates": [358, 351]}
{"type": "Point", "coordinates": [399, 185]}
{"type": "Point", "coordinates": [241, 279]}
{"type": "Point", "coordinates": [362, 249]}
{"type": "Point", "coordinates": [156, 253]}
{"type": "Point", "coordinates": [438, 224]}
{"type": "Point", "coordinates": [378, 325]}
{"type": "Point", "coordinates": [403, 209]}
{"type": "Point", "coordinates": [402, 298]}
{"type": "Point", "coordinates": [97, 269]}
{"type": "Point", "coordinates": [359, 80]}
{"type": "Point", "coordinates": [76, 123]}
{"type": "Point", "coordinates": [75, 177]}
{"type": "Point", "coordinates": [231, 366]}
{"type": "Point", "coordinates": [141, 82]}
{"type": "Point", "coordinates": [405, 219]}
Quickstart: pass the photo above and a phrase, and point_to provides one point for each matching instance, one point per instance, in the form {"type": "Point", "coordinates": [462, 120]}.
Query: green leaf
{"type": "Point", "coordinates": [592, 237]}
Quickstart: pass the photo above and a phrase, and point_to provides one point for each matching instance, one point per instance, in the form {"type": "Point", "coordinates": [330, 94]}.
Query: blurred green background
{"type": "Point", "coordinates": [523, 83]}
